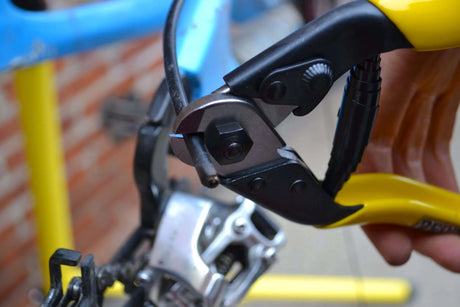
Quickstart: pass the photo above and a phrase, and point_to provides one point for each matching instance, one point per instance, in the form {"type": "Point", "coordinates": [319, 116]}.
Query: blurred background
{"type": "Point", "coordinates": [95, 90]}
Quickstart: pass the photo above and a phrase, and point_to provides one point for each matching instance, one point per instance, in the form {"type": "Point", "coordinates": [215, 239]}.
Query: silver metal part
{"type": "Point", "coordinates": [239, 226]}
{"type": "Point", "coordinates": [274, 113]}
{"type": "Point", "coordinates": [224, 89]}
{"type": "Point", "coordinates": [192, 237]}
{"type": "Point", "coordinates": [144, 277]}
{"type": "Point", "coordinates": [197, 116]}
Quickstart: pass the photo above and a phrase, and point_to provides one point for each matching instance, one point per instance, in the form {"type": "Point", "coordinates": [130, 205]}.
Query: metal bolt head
{"type": "Point", "coordinates": [233, 150]}
{"type": "Point", "coordinates": [298, 186]}
{"type": "Point", "coordinates": [239, 225]}
{"type": "Point", "coordinates": [210, 229]}
{"type": "Point", "coordinates": [270, 254]}
{"type": "Point", "coordinates": [227, 142]}
{"type": "Point", "coordinates": [144, 277]}
{"type": "Point", "coordinates": [318, 78]}
{"type": "Point", "coordinates": [239, 200]}
{"type": "Point", "coordinates": [274, 92]}
{"type": "Point", "coordinates": [256, 184]}
{"type": "Point", "coordinates": [75, 287]}
{"type": "Point", "coordinates": [212, 182]}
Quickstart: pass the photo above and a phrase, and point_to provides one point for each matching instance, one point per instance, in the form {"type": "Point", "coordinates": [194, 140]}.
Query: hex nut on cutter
{"type": "Point", "coordinates": [227, 142]}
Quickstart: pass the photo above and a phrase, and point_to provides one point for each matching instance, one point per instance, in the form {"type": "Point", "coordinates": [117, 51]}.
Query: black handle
{"type": "Point", "coordinates": [356, 120]}
{"type": "Point", "coordinates": [342, 38]}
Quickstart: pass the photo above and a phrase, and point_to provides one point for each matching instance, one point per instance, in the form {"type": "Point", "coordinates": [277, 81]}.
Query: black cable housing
{"type": "Point", "coordinates": [356, 121]}
{"type": "Point", "coordinates": [194, 142]}
{"type": "Point", "coordinates": [173, 77]}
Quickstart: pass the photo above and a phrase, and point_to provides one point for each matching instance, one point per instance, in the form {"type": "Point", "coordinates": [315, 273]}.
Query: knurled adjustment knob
{"type": "Point", "coordinates": [318, 78]}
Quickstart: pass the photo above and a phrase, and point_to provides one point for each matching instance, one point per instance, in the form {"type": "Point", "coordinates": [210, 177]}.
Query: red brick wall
{"type": "Point", "coordinates": [99, 171]}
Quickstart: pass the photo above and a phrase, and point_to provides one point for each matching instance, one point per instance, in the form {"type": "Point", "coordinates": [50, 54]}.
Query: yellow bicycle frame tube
{"type": "Point", "coordinates": [36, 92]}
{"type": "Point", "coordinates": [394, 199]}
{"type": "Point", "coordinates": [334, 289]}
{"type": "Point", "coordinates": [426, 24]}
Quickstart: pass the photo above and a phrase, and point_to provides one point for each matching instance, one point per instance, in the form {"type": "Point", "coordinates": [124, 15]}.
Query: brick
{"type": "Point", "coordinates": [16, 159]}
{"type": "Point", "coordinates": [60, 64]}
{"type": "Point", "coordinates": [178, 170]}
{"type": "Point", "coordinates": [27, 227]}
{"type": "Point", "coordinates": [108, 56]}
{"type": "Point", "coordinates": [97, 177]}
{"type": "Point", "coordinates": [79, 131]}
{"type": "Point", "coordinates": [88, 140]}
{"type": "Point", "coordinates": [80, 224]}
{"type": "Point", "coordinates": [110, 200]}
{"type": "Point", "coordinates": [14, 193]}
{"type": "Point", "coordinates": [121, 220]}
{"type": "Point", "coordinates": [147, 83]}
{"type": "Point", "coordinates": [5, 234]}
{"type": "Point", "coordinates": [9, 181]}
{"type": "Point", "coordinates": [88, 154]}
{"type": "Point", "coordinates": [8, 106]}
{"type": "Point", "coordinates": [124, 149]}
{"type": "Point", "coordinates": [12, 144]}
{"type": "Point", "coordinates": [71, 69]}
{"type": "Point", "coordinates": [7, 88]}
{"type": "Point", "coordinates": [115, 81]}
{"type": "Point", "coordinates": [132, 49]}
{"type": "Point", "coordinates": [145, 59]}
{"type": "Point", "coordinates": [129, 201]}
{"type": "Point", "coordinates": [125, 219]}
{"type": "Point", "coordinates": [101, 172]}
{"type": "Point", "coordinates": [19, 297]}
{"type": "Point", "coordinates": [115, 149]}
{"type": "Point", "coordinates": [8, 112]}
{"type": "Point", "coordinates": [10, 255]}
{"type": "Point", "coordinates": [84, 80]}
{"type": "Point", "coordinates": [110, 241]}
{"type": "Point", "coordinates": [109, 154]}
{"type": "Point", "coordinates": [91, 235]}
{"type": "Point", "coordinates": [8, 128]}
{"type": "Point", "coordinates": [75, 177]}
{"type": "Point", "coordinates": [90, 95]}
{"type": "Point", "coordinates": [80, 195]}
{"type": "Point", "coordinates": [5, 76]}
{"type": "Point", "coordinates": [103, 219]}
{"type": "Point", "coordinates": [66, 124]}
{"type": "Point", "coordinates": [32, 264]}
{"type": "Point", "coordinates": [16, 211]}
{"type": "Point", "coordinates": [109, 186]}
{"type": "Point", "coordinates": [95, 108]}
{"type": "Point", "coordinates": [16, 275]}
{"type": "Point", "coordinates": [14, 253]}
{"type": "Point", "coordinates": [123, 87]}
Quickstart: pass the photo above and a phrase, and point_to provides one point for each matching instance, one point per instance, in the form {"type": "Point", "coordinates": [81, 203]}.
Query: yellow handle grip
{"type": "Point", "coordinates": [427, 24]}
{"type": "Point", "coordinates": [389, 198]}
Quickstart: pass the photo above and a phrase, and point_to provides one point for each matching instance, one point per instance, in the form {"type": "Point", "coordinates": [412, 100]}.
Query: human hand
{"type": "Point", "coordinates": [411, 137]}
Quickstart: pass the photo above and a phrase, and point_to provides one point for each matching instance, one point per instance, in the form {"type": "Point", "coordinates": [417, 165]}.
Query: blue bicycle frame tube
{"type": "Point", "coordinates": [28, 37]}
{"type": "Point", "coordinates": [204, 41]}
{"type": "Point", "coordinates": [204, 44]}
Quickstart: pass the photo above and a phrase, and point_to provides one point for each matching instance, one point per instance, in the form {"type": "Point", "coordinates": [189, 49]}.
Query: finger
{"type": "Point", "coordinates": [444, 249]}
{"type": "Point", "coordinates": [437, 162]}
{"type": "Point", "coordinates": [391, 241]}
{"type": "Point", "coordinates": [409, 145]}
{"type": "Point", "coordinates": [377, 157]}
{"type": "Point", "coordinates": [434, 71]}
{"type": "Point", "coordinates": [394, 100]}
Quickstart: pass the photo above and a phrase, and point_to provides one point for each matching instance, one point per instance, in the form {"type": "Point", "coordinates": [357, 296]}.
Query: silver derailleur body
{"type": "Point", "coordinates": [208, 253]}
